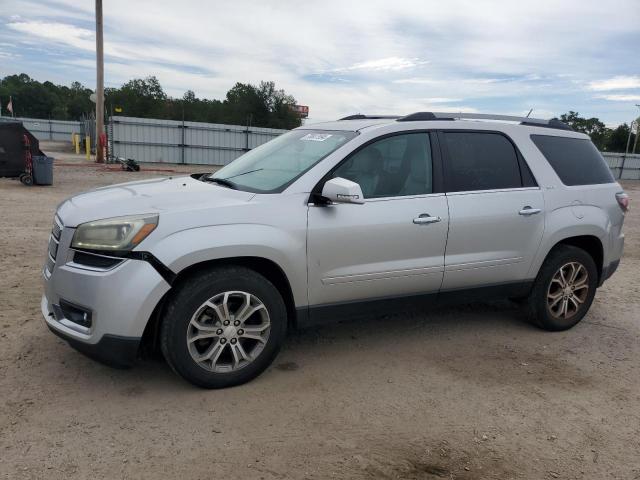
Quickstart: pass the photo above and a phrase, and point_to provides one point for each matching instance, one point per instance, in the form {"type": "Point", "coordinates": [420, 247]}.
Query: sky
{"type": "Point", "coordinates": [347, 56]}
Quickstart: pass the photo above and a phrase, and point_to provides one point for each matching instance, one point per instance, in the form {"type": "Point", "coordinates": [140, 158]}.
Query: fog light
{"type": "Point", "coordinates": [76, 314]}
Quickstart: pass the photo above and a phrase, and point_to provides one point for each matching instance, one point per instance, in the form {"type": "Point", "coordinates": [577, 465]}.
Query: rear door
{"type": "Point", "coordinates": [496, 210]}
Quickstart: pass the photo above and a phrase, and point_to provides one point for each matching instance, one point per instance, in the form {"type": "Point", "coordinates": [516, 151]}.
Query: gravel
{"type": "Point", "coordinates": [470, 392]}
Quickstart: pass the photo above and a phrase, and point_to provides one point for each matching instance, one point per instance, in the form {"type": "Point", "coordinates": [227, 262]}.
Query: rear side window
{"type": "Point", "coordinates": [480, 161]}
{"type": "Point", "coordinates": [576, 161]}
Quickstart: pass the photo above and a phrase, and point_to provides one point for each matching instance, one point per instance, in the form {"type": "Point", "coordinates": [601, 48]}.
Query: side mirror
{"type": "Point", "coordinates": [341, 190]}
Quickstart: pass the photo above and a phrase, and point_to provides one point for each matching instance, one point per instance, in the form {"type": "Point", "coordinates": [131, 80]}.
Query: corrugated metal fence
{"type": "Point", "coordinates": [623, 167]}
{"type": "Point", "coordinates": [169, 141]}
{"type": "Point", "coordinates": [44, 129]}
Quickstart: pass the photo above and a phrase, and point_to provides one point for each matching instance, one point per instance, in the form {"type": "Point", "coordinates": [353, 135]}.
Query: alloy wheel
{"type": "Point", "coordinates": [228, 331]}
{"type": "Point", "coordinates": [568, 290]}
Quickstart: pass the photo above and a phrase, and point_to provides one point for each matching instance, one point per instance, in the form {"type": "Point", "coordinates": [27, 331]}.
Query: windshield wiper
{"type": "Point", "coordinates": [243, 173]}
{"type": "Point", "coordinates": [220, 181]}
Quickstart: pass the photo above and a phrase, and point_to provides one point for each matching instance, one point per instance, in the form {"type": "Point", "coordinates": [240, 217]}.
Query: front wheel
{"type": "Point", "coordinates": [223, 327]}
{"type": "Point", "coordinates": [564, 288]}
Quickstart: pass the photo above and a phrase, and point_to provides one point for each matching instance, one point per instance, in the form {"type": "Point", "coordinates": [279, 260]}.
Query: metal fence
{"type": "Point", "coordinates": [623, 167]}
{"type": "Point", "coordinates": [43, 129]}
{"type": "Point", "coordinates": [169, 141]}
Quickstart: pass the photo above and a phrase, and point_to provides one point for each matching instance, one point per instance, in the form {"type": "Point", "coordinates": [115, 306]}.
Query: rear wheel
{"type": "Point", "coordinates": [564, 289]}
{"type": "Point", "coordinates": [223, 327]}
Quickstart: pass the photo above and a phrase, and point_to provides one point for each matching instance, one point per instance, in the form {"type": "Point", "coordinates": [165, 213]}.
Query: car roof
{"type": "Point", "coordinates": [347, 125]}
{"type": "Point", "coordinates": [441, 120]}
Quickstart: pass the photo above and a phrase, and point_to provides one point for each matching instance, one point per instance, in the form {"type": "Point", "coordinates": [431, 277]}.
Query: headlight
{"type": "Point", "coordinates": [114, 234]}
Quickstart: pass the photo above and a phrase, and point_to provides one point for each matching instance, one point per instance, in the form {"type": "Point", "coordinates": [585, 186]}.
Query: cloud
{"type": "Point", "coordinates": [385, 64]}
{"type": "Point", "coordinates": [615, 83]}
{"type": "Point", "coordinates": [620, 97]}
{"type": "Point", "coordinates": [415, 81]}
{"type": "Point", "coordinates": [71, 35]}
{"type": "Point", "coordinates": [449, 108]}
{"type": "Point", "coordinates": [442, 100]}
{"type": "Point", "coordinates": [390, 57]}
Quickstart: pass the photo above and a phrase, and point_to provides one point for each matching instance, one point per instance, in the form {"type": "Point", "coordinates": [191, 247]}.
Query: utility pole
{"type": "Point", "coordinates": [100, 83]}
{"type": "Point", "coordinates": [635, 142]}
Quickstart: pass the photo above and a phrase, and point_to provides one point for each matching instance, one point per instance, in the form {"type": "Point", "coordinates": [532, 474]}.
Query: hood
{"type": "Point", "coordinates": [148, 196]}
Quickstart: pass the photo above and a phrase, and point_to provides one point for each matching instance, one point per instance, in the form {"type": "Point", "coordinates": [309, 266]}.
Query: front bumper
{"type": "Point", "coordinates": [121, 301]}
{"type": "Point", "coordinates": [112, 350]}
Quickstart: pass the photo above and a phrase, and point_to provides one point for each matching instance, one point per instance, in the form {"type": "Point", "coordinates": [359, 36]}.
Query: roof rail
{"type": "Point", "coordinates": [535, 122]}
{"type": "Point", "coordinates": [360, 116]}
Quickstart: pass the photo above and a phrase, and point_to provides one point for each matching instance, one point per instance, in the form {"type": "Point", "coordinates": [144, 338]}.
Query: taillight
{"type": "Point", "coordinates": [623, 200]}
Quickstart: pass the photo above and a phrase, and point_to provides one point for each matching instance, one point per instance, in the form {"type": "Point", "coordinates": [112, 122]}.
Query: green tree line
{"type": "Point", "coordinates": [604, 138]}
{"type": "Point", "coordinates": [260, 105]}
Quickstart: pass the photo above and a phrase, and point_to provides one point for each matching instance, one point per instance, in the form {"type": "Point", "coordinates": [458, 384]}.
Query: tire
{"type": "Point", "coordinates": [196, 324]}
{"type": "Point", "coordinates": [26, 179]}
{"type": "Point", "coordinates": [553, 289]}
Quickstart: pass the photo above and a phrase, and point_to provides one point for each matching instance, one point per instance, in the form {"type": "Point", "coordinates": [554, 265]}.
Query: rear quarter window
{"type": "Point", "coordinates": [576, 161]}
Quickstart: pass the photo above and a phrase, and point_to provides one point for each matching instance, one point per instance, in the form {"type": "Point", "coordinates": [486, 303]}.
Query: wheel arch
{"type": "Point", "coordinates": [590, 243]}
{"type": "Point", "coordinates": [264, 266]}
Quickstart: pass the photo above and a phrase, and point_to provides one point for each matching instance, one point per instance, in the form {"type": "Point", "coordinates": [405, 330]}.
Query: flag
{"type": "Point", "coordinates": [10, 106]}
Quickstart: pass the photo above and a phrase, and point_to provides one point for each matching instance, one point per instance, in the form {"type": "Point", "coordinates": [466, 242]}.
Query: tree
{"type": "Point", "coordinates": [243, 105]}
{"type": "Point", "coordinates": [139, 98]}
{"type": "Point", "coordinates": [279, 105]}
{"type": "Point", "coordinates": [605, 139]}
{"type": "Point", "coordinates": [617, 141]}
{"type": "Point", "coordinates": [591, 126]}
{"type": "Point", "coordinates": [263, 105]}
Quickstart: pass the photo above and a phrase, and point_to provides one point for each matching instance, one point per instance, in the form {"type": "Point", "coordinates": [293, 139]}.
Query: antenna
{"type": "Point", "coordinates": [529, 113]}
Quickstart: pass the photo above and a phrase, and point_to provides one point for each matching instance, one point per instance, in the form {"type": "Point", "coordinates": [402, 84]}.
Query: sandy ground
{"type": "Point", "coordinates": [458, 393]}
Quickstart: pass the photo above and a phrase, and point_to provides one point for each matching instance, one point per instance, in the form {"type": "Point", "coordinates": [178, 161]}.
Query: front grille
{"type": "Point", "coordinates": [57, 228]}
{"type": "Point", "coordinates": [53, 248]}
{"type": "Point", "coordinates": [92, 260]}
{"type": "Point", "coordinates": [54, 242]}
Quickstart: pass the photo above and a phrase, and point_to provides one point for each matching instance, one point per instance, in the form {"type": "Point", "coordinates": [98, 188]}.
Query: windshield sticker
{"type": "Point", "coordinates": [316, 137]}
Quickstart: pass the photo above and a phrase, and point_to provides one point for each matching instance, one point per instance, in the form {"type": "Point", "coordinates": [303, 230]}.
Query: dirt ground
{"type": "Point", "coordinates": [458, 393]}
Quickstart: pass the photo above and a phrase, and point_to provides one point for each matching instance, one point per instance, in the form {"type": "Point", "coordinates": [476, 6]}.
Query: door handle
{"type": "Point", "coordinates": [425, 218]}
{"type": "Point", "coordinates": [526, 211]}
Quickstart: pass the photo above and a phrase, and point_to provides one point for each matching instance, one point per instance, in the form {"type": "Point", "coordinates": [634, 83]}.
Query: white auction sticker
{"type": "Point", "coordinates": [316, 137]}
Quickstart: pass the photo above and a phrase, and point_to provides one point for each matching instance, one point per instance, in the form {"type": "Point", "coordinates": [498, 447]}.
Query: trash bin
{"type": "Point", "coordinates": [42, 170]}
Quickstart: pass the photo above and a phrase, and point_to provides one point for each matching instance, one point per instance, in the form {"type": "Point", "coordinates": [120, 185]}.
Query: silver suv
{"type": "Point", "coordinates": [335, 220]}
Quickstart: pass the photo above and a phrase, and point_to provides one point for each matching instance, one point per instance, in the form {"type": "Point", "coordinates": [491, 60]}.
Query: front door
{"type": "Point", "coordinates": [392, 245]}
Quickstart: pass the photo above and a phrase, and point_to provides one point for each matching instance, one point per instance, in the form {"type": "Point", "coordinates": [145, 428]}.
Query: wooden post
{"type": "Point", "coordinates": [100, 83]}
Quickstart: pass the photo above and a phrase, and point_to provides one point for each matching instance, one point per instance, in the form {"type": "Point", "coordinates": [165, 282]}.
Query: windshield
{"type": "Point", "coordinates": [272, 166]}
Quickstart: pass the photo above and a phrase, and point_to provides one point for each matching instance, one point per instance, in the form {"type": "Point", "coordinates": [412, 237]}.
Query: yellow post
{"type": "Point", "coordinates": [76, 142]}
{"type": "Point", "coordinates": [87, 142]}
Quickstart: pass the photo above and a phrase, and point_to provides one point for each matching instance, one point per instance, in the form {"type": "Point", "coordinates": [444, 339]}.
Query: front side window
{"type": "Point", "coordinates": [480, 161]}
{"type": "Point", "coordinates": [272, 166]}
{"type": "Point", "coordinates": [395, 166]}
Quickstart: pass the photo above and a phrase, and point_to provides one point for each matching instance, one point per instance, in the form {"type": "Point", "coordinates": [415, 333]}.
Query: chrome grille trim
{"type": "Point", "coordinates": [52, 247]}
{"type": "Point", "coordinates": [57, 228]}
